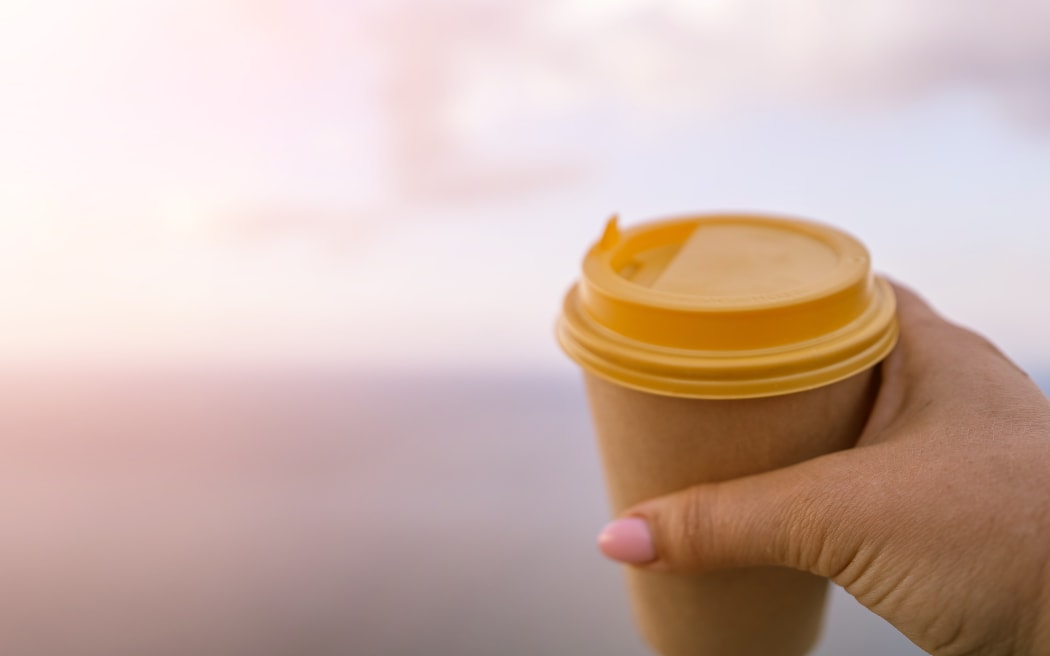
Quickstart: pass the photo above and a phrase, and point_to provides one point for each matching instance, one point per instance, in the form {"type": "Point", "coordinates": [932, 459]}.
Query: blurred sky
{"type": "Point", "coordinates": [404, 183]}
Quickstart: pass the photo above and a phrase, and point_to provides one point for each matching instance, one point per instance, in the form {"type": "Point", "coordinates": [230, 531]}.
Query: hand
{"type": "Point", "coordinates": [938, 520]}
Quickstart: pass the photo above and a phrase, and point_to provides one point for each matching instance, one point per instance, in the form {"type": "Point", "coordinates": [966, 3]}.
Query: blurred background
{"type": "Point", "coordinates": [278, 282]}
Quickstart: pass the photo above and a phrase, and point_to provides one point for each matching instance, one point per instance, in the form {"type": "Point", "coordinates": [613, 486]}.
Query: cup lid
{"type": "Point", "coordinates": [727, 306]}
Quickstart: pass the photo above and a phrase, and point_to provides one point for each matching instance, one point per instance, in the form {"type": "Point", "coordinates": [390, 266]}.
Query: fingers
{"type": "Point", "coordinates": [939, 371]}
{"type": "Point", "coordinates": [921, 325]}
{"type": "Point", "coordinates": [784, 517]}
{"type": "Point", "coordinates": [912, 308]}
{"type": "Point", "coordinates": [932, 349]}
{"type": "Point", "coordinates": [925, 332]}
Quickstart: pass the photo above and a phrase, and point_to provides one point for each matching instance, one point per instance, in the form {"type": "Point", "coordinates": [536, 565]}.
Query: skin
{"type": "Point", "coordinates": [938, 520]}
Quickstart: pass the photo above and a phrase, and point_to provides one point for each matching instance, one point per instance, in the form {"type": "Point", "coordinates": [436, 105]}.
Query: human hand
{"type": "Point", "coordinates": [938, 520]}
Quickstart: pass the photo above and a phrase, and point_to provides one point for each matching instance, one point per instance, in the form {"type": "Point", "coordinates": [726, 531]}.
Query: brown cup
{"type": "Point", "coordinates": [753, 350]}
{"type": "Point", "coordinates": [652, 445]}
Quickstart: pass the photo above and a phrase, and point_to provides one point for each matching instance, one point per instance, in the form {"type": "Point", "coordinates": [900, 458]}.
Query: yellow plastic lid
{"type": "Point", "coordinates": [727, 306]}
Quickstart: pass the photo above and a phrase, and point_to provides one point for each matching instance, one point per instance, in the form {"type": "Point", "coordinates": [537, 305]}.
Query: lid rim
{"type": "Point", "coordinates": [728, 388]}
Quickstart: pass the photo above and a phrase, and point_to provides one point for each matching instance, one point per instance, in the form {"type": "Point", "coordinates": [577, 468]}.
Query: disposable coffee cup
{"type": "Point", "coordinates": [714, 347]}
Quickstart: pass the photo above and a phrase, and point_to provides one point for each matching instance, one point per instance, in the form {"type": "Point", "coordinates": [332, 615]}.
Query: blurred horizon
{"type": "Point", "coordinates": [319, 515]}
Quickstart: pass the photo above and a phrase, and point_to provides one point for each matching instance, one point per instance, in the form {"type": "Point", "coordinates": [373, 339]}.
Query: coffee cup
{"type": "Point", "coordinates": [714, 347]}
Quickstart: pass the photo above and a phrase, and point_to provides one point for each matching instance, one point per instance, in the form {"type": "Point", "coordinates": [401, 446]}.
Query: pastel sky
{"type": "Point", "coordinates": [411, 183]}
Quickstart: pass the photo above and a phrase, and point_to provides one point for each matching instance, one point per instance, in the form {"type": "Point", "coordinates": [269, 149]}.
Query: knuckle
{"type": "Point", "coordinates": [815, 524]}
{"type": "Point", "coordinates": [801, 539]}
{"type": "Point", "coordinates": [689, 531]}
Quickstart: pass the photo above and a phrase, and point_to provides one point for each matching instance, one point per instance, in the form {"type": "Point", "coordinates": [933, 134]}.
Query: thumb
{"type": "Point", "coordinates": [791, 517]}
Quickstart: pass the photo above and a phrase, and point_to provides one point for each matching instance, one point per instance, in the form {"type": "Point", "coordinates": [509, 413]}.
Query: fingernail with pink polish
{"type": "Point", "coordinates": [628, 541]}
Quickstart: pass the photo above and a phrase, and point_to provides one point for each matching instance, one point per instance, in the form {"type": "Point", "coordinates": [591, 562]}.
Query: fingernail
{"type": "Point", "coordinates": [628, 541]}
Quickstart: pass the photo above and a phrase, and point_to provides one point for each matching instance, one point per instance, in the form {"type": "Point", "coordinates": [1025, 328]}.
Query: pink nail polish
{"type": "Point", "coordinates": [628, 541]}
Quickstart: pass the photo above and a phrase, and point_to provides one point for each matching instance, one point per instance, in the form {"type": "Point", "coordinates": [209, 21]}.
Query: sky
{"type": "Point", "coordinates": [406, 184]}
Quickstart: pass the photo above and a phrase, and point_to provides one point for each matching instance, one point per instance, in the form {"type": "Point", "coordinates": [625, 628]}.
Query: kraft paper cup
{"type": "Point", "coordinates": [715, 347]}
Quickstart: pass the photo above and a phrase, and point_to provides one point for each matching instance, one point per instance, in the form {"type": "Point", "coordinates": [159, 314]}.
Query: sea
{"type": "Point", "coordinates": [306, 513]}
